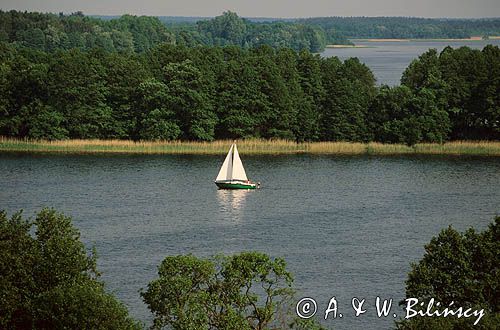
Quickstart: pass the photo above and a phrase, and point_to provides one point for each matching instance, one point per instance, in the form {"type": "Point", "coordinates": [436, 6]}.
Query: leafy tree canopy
{"type": "Point", "coordinates": [249, 290]}
{"type": "Point", "coordinates": [49, 281]}
{"type": "Point", "coordinates": [459, 267]}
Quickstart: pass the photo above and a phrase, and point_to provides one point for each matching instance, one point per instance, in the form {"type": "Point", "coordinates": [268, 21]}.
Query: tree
{"type": "Point", "coordinates": [243, 291]}
{"type": "Point", "coordinates": [156, 121]}
{"type": "Point", "coordinates": [350, 88]}
{"type": "Point", "coordinates": [398, 115]}
{"type": "Point", "coordinates": [418, 73]}
{"type": "Point", "coordinates": [190, 100]}
{"type": "Point", "coordinates": [46, 278]}
{"type": "Point", "coordinates": [43, 122]}
{"type": "Point", "coordinates": [309, 110]}
{"type": "Point", "coordinates": [205, 93]}
{"type": "Point", "coordinates": [239, 98]}
{"type": "Point", "coordinates": [6, 98]}
{"type": "Point", "coordinates": [78, 80]}
{"type": "Point", "coordinates": [465, 82]}
{"type": "Point", "coordinates": [465, 73]}
{"type": "Point", "coordinates": [32, 38]}
{"type": "Point", "coordinates": [225, 29]}
{"type": "Point", "coordinates": [459, 267]}
{"type": "Point", "coordinates": [274, 113]}
{"type": "Point", "coordinates": [229, 29]}
{"type": "Point", "coordinates": [489, 95]}
{"type": "Point", "coordinates": [123, 75]}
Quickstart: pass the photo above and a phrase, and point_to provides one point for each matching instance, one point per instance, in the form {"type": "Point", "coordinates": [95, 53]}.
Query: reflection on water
{"type": "Point", "coordinates": [232, 202]}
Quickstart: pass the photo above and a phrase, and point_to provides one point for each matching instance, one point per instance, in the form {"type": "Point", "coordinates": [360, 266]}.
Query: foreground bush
{"type": "Point", "coordinates": [244, 291]}
{"type": "Point", "coordinates": [463, 268]}
{"type": "Point", "coordinates": [47, 279]}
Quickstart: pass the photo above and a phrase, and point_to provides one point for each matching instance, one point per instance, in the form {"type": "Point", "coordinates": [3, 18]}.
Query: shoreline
{"type": "Point", "coordinates": [399, 40]}
{"type": "Point", "coordinates": [347, 46]}
{"type": "Point", "coordinates": [375, 40]}
{"type": "Point", "coordinates": [249, 147]}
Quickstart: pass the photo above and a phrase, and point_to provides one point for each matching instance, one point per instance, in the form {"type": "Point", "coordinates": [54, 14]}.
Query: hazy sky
{"type": "Point", "coordinates": [266, 8]}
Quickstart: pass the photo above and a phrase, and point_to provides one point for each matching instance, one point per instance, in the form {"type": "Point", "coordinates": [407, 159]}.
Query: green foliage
{"type": "Point", "coordinates": [244, 291]}
{"type": "Point", "coordinates": [49, 281]}
{"type": "Point", "coordinates": [466, 83]}
{"type": "Point", "coordinates": [225, 29]}
{"type": "Point", "coordinates": [405, 27]}
{"type": "Point", "coordinates": [190, 101]}
{"type": "Point", "coordinates": [204, 93]}
{"type": "Point", "coordinates": [459, 267]}
{"type": "Point", "coordinates": [229, 29]}
{"type": "Point", "coordinates": [157, 126]}
{"type": "Point", "coordinates": [306, 324]}
{"type": "Point", "coordinates": [399, 115]}
{"type": "Point", "coordinates": [156, 120]}
{"type": "Point", "coordinates": [308, 66]}
{"type": "Point", "coordinates": [344, 117]}
{"type": "Point", "coordinates": [129, 33]}
{"type": "Point", "coordinates": [45, 123]}
{"type": "Point", "coordinates": [51, 32]}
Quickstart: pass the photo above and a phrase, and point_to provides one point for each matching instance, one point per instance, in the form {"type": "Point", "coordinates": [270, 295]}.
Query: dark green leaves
{"type": "Point", "coordinates": [459, 267]}
{"type": "Point", "coordinates": [465, 82]}
{"type": "Point", "coordinates": [49, 281]}
{"type": "Point", "coordinates": [173, 92]}
{"type": "Point", "coordinates": [244, 291]}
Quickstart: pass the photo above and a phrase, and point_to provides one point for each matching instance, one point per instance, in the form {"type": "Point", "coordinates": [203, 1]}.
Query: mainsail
{"type": "Point", "coordinates": [232, 168]}
{"type": "Point", "coordinates": [238, 170]}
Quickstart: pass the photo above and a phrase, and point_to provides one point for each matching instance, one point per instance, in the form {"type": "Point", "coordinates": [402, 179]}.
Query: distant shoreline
{"type": "Point", "coordinates": [249, 147]}
{"type": "Point", "coordinates": [476, 38]}
{"type": "Point", "coordinates": [396, 40]}
{"type": "Point", "coordinates": [347, 46]}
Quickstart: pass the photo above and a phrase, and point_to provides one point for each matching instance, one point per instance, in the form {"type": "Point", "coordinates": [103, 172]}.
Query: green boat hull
{"type": "Point", "coordinates": [235, 185]}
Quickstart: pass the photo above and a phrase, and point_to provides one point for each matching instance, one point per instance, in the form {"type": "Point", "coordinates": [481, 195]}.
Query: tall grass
{"type": "Point", "coordinates": [252, 146]}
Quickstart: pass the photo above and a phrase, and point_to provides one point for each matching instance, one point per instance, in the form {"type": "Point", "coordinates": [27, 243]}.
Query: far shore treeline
{"type": "Point", "coordinates": [130, 33]}
{"type": "Point", "coordinates": [203, 93]}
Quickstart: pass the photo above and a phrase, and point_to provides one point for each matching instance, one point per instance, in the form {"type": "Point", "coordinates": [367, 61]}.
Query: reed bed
{"type": "Point", "coordinates": [251, 146]}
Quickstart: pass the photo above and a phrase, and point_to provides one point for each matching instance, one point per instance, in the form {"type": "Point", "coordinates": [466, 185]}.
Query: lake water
{"type": "Point", "coordinates": [347, 226]}
{"type": "Point", "coordinates": [388, 60]}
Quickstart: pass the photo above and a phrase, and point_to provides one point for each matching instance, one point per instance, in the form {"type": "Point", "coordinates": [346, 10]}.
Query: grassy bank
{"type": "Point", "coordinates": [482, 148]}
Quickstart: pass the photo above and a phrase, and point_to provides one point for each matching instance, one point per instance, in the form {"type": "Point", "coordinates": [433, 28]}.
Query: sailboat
{"type": "Point", "coordinates": [232, 174]}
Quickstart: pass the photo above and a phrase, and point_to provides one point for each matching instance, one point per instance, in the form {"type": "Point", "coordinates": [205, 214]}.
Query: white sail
{"type": "Point", "coordinates": [238, 170]}
{"type": "Point", "coordinates": [226, 171]}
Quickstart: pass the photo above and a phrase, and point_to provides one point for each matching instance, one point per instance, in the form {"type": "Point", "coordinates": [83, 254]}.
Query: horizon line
{"type": "Point", "coordinates": [254, 17]}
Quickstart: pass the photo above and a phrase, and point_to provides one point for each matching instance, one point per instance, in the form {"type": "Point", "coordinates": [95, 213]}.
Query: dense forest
{"type": "Point", "coordinates": [133, 78]}
{"type": "Point", "coordinates": [229, 29]}
{"type": "Point", "coordinates": [128, 33]}
{"type": "Point", "coordinates": [49, 32]}
{"type": "Point", "coordinates": [205, 93]}
{"type": "Point", "coordinates": [406, 27]}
